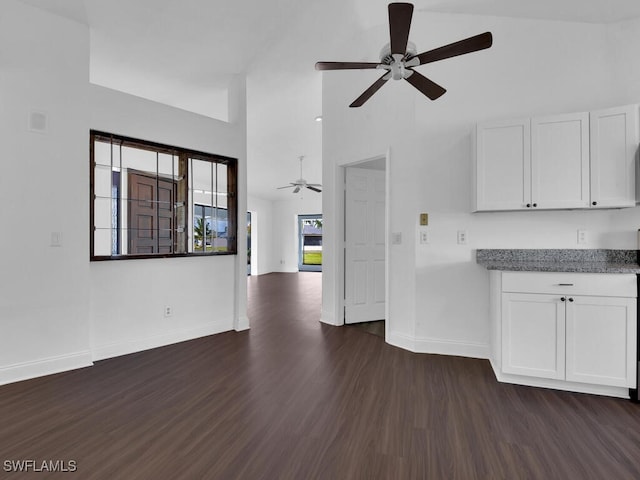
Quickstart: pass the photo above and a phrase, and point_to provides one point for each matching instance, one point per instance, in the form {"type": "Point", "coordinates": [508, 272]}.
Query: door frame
{"type": "Point", "coordinates": [340, 227]}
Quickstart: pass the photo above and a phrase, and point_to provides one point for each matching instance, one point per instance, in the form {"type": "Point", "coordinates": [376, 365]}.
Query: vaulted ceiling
{"type": "Point", "coordinates": [185, 53]}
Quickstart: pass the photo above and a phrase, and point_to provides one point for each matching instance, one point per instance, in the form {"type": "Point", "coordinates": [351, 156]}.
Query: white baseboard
{"type": "Point", "coordinates": [44, 366]}
{"type": "Point", "coordinates": [243, 324]}
{"type": "Point", "coordinates": [111, 350]}
{"type": "Point", "coordinates": [619, 392]}
{"type": "Point", "coordinates": [438, 346]}
{"type": "Point", "coordinates": [329, 318]}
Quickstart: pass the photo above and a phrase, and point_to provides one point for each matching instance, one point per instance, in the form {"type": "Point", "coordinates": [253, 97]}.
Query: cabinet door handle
{"type": "Point", "coordinates": [535, 204]}
{"type": "Point", "coordinates": [562, 299]}
{"type": "Point", "coordinates": [528, 205]}
{"type": "Point", "coordinates": [565, 284]}
{"type": "Point", "coordinates": [571, 299]}
{"type": "Point", "coordinates": [594, 203]}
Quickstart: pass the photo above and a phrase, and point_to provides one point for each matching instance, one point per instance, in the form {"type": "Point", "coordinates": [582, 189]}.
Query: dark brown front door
{"type": "Point", "coordinates": [151, 214]}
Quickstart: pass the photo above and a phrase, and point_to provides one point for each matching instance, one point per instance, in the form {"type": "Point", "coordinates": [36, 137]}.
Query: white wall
{"type": "Point", "coordinates": [128, 297]}
{"type": "Point", "coordinates": [44, 188]}
{"type": "Point", "coordinates": [623, 40]}
{"type": "Point", "coordinates": [58, 311]}
{"type": "Point", "coordinates": [442, 304]}
{"type": "Point", "coordinates": [285, 228]}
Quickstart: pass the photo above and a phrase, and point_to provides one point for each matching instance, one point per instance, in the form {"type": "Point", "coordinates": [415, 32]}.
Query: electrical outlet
{"type": "Point", "coordinates": [582, 237]}
{"type": "Point", "coordinates": [424, 236]}
{"type": "Point", "coordinates": [168, 311]}
{"type": "Point", "coordinates": [462, 237]}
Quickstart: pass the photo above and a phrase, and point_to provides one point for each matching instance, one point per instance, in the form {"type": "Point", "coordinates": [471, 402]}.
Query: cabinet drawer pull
{"type": "Point", "coordinates": [565, 284]}
{"type": "Point", "coordinates": [562, 299]}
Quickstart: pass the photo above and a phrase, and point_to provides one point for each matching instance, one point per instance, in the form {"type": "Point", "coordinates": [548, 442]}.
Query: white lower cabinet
{"type": "Point", "coordinates": [533, 335]}
{"type": "Point", "coordinates": [601, 340]}
{"type": "Point", "coordinates": [571, 329]}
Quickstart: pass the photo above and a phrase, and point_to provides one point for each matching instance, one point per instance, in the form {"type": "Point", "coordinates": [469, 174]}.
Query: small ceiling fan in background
{"type": "Point", "coordinates": [400, 57]}
{"type": "Point", "coordinates": [302, 183]}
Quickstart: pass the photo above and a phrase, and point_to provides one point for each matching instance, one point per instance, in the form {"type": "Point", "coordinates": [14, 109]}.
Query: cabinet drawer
{"type": "Point", "coordinates": [598, 284]}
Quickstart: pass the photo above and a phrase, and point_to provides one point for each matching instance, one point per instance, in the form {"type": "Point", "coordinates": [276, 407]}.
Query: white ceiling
{"type": "Point", "coordinates": [184, 54]}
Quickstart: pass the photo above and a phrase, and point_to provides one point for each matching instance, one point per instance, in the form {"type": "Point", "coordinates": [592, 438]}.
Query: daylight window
{"type": "Point", "coordinates": [150, 200]}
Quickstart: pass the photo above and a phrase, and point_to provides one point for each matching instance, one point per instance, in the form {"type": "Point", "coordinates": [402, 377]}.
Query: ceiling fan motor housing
{"type": "Point", "coordinates": [396, 63]}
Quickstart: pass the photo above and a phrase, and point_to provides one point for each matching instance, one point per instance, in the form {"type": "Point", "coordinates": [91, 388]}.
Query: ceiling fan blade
{"type": "Point", "coordinates": [426, 86]}
{"type": "Point", "coordinates": [468, 45]}
{"type": "Point", "coordinates": [314, 184]}
{"type": "Point", "coordinates": [297, 189]}
{"type": "Point", "coordinates": [358, 102]}
{"type": "Point", "coordinates": [313, 188]}
{"type": "Point", "coordinates": [345, 65]}
{"type": "Point", "coordinates": [288, 186]}
{"type": "Point", "coordinates": [399, 24]}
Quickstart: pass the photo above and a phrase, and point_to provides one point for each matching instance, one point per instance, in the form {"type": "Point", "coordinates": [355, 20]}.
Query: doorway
{"type": "Point", "coordinates": [310, 243]}
{"type": "Point", "coordinates": [365, 232]}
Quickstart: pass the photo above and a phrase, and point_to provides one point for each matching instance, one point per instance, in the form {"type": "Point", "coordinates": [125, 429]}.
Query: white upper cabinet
{"type": "Point", "coordinates": [503, 169]}
{"type": "Point", "coordinates": [560, 161]}
{"type": "Point", "coordinates": [614, 143]}
{"type": "Point", "coordinates": [573, 161]}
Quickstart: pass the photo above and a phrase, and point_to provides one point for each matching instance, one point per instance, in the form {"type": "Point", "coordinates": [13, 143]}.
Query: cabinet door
{"type": "Point", "coordinates": [533, 335]}
{"type": "Point", "coordinates": [614, 139]}
{"type": "Point", "coordinates": [503, 165]}
{"type": "Point", "coordinates": [560, 161]}
{"type": "Point", "coordinates": [601, 340]}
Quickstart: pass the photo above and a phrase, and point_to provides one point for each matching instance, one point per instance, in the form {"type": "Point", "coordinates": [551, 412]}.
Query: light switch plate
{"type": "Point", "coordinates": [56, 239]}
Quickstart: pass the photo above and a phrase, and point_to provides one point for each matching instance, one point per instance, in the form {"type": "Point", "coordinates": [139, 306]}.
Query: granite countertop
{"type": "Point", "coordinates": [560, 260]}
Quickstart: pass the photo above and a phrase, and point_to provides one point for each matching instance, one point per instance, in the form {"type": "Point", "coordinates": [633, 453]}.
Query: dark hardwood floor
{"type": "Point", "coordinates": [295, 399]}
{"type": "Point", "coordinates": [376, 327]}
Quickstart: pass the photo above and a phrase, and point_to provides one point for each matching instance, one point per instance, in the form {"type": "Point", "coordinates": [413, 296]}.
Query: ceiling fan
{"type": "Point", "coordinates": [400, 57]}
{"type": "Point", "coordinates": [302, 183]}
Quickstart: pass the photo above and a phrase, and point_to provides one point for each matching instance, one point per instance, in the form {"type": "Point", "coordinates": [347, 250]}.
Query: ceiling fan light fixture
{"type": "Point", "coordinates": [399, 57]}
{"type": "Point", "coordinates": [301, 183]}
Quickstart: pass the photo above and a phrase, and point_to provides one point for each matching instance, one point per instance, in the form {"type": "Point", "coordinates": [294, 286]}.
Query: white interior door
{"type": "Point", "coordinates": [364, 245]}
